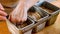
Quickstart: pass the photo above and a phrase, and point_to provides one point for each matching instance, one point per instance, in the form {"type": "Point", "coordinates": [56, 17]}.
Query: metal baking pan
{"type": "Point", "coordinates": [51, 9]}
{"type": "Point", "coordinates": [40, 23]}
{"type": "Point", "coordinates": [24, 30]}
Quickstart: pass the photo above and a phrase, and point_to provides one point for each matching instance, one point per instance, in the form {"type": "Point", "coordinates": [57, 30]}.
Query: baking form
{"type": "Point", "coordinates": [51, 9]}
{"type": "Point", "coordinates": [24, 30]}
{"type": "Point", "coordinates": [38, 15]}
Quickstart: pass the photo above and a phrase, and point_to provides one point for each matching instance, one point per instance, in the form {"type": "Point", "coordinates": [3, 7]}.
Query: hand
{"type": "Point", "coordinates": [19, 14]}
{"type": "Point", "coordinates": [2, 13]}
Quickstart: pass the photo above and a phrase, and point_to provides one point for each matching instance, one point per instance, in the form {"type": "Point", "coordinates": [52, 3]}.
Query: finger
{"type": "Point", "coordinates": [3, 13]}
{"type": "Point", "coordinates": [19, 20]}
{"type": "Point", "coordinates": [2, 18]}
{"type": "Point", "coordinates": [13, 20]}
{"type": "Point", "coordinates": [24, 16]}
{"type": "Point", "coordinates": [1, 7]}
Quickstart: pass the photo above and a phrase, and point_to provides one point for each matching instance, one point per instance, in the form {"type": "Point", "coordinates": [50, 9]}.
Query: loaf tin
{"type": "Point", "coordinates": [24, 30]}
{"type": "Point", "coordinates": [40, 23]}
{"type": "Point", "coordinates": [51, 9]}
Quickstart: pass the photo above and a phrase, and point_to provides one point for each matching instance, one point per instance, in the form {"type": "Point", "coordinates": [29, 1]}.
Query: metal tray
{"type": "Point", "coordinates": [40, 23]}
{"type": "Point", "coordinates": [51, 9]}
{"type": "Point", "coordinates": [25, 30]}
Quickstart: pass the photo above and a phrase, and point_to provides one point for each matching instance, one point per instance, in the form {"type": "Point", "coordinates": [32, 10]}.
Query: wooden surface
{"type": "Point", "coordinates": [53, 29]}
{"type": "Point", "coordinates": [4, 28]}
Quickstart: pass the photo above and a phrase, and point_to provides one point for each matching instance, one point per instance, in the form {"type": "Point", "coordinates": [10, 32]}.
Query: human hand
{"type": "Point", "coordinates": [19, 14]}
{"type": "Point", "coordinates": [2, 13]}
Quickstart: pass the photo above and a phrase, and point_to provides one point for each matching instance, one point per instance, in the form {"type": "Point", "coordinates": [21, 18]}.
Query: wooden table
{"type": "Point", "coordinates": [53, 29]}
{"type": "Point", "coordinates": [4, 28]}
